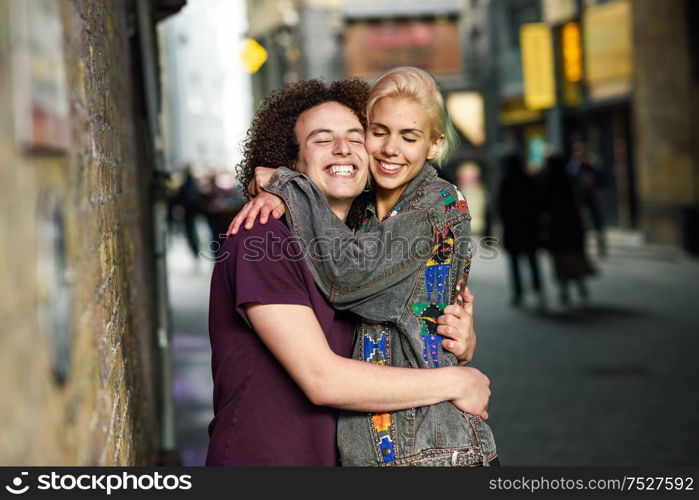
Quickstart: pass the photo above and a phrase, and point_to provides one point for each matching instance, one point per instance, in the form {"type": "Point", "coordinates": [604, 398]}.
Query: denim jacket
{"type": "Point", "coordinates": [398, 275]}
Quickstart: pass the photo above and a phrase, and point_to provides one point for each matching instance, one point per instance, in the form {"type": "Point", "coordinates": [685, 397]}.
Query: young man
{"type": "Point", "coordinates": [281, 354]}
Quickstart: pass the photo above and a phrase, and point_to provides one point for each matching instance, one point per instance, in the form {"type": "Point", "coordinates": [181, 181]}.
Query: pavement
{"type": "Point", "coordinates": [614, 381]}
{"type": "Point", "coordinates": [188, 283]}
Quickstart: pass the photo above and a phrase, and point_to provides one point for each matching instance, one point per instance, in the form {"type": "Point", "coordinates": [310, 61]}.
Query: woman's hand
{"type": "Point", "coordinates": [263, 205]}
{"type": "Point", "coordinates": [456, 326]}
{"type": "Point", "coordinates": [476, 392]}
{"type": "Point", "coordinates": [259, 180]}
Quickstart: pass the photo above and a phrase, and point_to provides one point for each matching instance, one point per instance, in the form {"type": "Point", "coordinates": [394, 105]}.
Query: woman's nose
{"type": "Point", "coordinates": [389, 147]}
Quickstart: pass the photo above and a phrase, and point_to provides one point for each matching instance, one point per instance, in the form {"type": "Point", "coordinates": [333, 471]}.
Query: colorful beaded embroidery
{"type": "Point", "coordinates": [437, 271]}
{"type": "Point", "coordinates": [396, 210]}
{"type": "Point", "coordinates": [428, 314]}
{"type": "Point", "coordinates": [363, 224]}
{"type": "Point", "coordinates": [461, 204]}
{"type": "Point", "coordinates": [449, 201]}
{"type": "Point", "coordinates": [437, 267]}
{"type": "Point", "coordinates": [376, 351]}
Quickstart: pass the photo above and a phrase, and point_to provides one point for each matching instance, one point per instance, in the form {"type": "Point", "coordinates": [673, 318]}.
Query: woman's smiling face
{"type": "Point", "coordinates": [399, 142]}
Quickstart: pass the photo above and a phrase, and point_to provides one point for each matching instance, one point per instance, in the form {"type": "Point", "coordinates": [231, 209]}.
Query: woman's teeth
{"type": "Point", "coordinates": [341, 169]}
{"type": "Point", "coordinates": [391, 167]}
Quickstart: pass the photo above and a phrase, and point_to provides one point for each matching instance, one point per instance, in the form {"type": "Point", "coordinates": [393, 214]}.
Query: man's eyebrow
{"type": "Point", "coordinates": [402, 131]}
{"type": "Point", "coordinates": [328, 131]}
{"type": "Point", "coordinates": [318, 131]}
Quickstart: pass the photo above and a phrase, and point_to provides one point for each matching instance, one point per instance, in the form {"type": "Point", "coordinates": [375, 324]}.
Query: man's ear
{"type": "Point", "coordinates": [435, 147]}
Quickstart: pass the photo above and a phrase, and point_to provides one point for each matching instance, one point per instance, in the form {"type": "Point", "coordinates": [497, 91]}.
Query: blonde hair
{"type": "Point", "coordinates": [417, 84]}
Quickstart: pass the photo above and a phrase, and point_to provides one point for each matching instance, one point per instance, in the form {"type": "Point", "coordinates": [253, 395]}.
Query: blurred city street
{"type": "Point", "coordinates": [615, 382]}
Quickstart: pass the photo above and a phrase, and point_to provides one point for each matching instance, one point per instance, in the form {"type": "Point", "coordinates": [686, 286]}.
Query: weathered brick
{"type": "Point", "coordinates": [105, 412]}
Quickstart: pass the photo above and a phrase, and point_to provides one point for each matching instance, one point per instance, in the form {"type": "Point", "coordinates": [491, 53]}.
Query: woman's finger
{"type": "Point", "coordinates": [231, 227]}
{"type": "Point", "coordinates": [446, 331]}
{"type": "Point", "coordinates": [252, 215]}
{"type": "Point", "coordinates": [264, 213]}
{"type": "Point", "coordinates": [454, 347]}
{"type": "Point", "coordinates": [454, 310]}
{"type": "Point", "coordinates": [238, 219]}
{"type": "Point", "coordinates": [278, 212]}
{"type": "Point", "coordinates": [467, 299]}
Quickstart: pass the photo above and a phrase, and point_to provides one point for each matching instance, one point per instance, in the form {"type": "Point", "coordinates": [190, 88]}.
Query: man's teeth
{"type": "Point", "coordinates": [390, 166]}
{"type": "Point", "coordinates": [341, 169]}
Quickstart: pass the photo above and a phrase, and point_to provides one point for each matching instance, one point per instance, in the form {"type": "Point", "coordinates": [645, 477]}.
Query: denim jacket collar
{"type": "Point", "coordinates": [426, 175]}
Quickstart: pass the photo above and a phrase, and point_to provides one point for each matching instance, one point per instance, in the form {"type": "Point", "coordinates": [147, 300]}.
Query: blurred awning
{"type": "Point", "coordinates": [406, 8]}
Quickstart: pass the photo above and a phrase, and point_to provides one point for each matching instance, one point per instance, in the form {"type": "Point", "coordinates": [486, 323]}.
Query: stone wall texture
{"type": "Point", "coordinates": [104, 412]}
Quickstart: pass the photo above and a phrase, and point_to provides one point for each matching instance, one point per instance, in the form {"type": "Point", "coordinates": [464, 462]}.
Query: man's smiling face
{"type": "Point", "coordinates": [331, 151]}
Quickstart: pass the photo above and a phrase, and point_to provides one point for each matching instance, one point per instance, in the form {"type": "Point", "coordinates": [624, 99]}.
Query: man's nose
{"type": "Point", "coordinates": [341, 147]}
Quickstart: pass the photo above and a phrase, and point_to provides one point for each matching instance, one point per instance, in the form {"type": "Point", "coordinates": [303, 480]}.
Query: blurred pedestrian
{"type": "Point", "coordinates": [519, 207]}
{"type": "Point", "coordinates": [589, 179]}
{"type": "Point", "coordinates": [564, 230]}
{"type": "Point", "coordinates": [187, 200]}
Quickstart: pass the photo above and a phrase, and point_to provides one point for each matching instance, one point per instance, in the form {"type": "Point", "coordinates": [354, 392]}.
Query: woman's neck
{"type": "Point", "coordinates": [386, 200]}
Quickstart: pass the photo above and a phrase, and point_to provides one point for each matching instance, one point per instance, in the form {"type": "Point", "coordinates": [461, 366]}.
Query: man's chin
{"type": "Point", "coordinates": [342, 195]}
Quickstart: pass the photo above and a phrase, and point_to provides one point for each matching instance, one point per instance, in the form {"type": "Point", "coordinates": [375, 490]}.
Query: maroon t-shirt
{"type": "Point", "coordinates": [261, 417]}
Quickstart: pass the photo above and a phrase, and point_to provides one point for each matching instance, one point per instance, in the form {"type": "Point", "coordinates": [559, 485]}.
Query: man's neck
{"type": "Point", "coordinates": [340, 207]}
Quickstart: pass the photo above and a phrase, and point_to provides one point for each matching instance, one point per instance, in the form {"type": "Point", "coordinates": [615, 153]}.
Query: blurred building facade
{"type": "Point", "coordinates": [333, 39]}
{"type": "Point", "coordinates": [600, 74]}
{"type": "Point", "coordinates": [275, 25]}
{"type": "Point", "coordinates": [666, 119]}
{"type": "Point", "coordinates": [78, 361]}
{"type": "Point", "coordinates": [206, 92]}
{"type": "Point", "coordinates": [546, 74]}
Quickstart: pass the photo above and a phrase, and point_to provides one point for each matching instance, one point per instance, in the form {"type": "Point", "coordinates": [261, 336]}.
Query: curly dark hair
{"type": "Point", "coordinates": [271, 141]}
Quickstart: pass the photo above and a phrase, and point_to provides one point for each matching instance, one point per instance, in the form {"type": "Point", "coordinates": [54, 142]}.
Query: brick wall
{"type": "Point", "coordinates": [105, 412]}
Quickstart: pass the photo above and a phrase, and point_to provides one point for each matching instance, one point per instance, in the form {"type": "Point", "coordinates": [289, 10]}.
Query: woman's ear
{"type": "Point", "coordinates": [435, 147]}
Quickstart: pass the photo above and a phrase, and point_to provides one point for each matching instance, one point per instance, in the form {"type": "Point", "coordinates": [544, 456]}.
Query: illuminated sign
{"type": "Point", "coordinates": [376, 46]}
{"type": "Point", "coordinates": [537, 66]}
{"type": "Point", "coordinates": [572, 52]}
{"type": "Point", "coordinates": [608, 50]}
{"type": "Point", "coordinates": [253, 55]}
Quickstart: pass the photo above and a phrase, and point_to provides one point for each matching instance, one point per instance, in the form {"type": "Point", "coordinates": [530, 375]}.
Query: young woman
{"type": "Point", "coordinates": [399, 287]}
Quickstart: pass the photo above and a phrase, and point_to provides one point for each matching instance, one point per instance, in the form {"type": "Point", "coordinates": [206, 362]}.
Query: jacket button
{"type": "Point", "coordinates": [386, 452]}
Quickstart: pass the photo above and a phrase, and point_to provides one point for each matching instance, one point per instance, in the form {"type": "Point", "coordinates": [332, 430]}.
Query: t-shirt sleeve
{"type": "Point", "coordinates": [265, 267]}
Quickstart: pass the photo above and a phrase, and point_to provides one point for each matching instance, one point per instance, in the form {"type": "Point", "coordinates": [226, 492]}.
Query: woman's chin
{"type": "Point", "coordinates": [388, 184]}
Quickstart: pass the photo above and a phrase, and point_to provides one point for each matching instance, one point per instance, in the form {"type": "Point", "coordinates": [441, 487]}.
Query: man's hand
{"type": "Point", "coordinates": [259, 180]}
{"type": "Point", "coordinates": [476, 393]}
{"type": "Point", "coordinates": [263, 205]}
{"type": "Point", "coordinates": [456, 326]}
